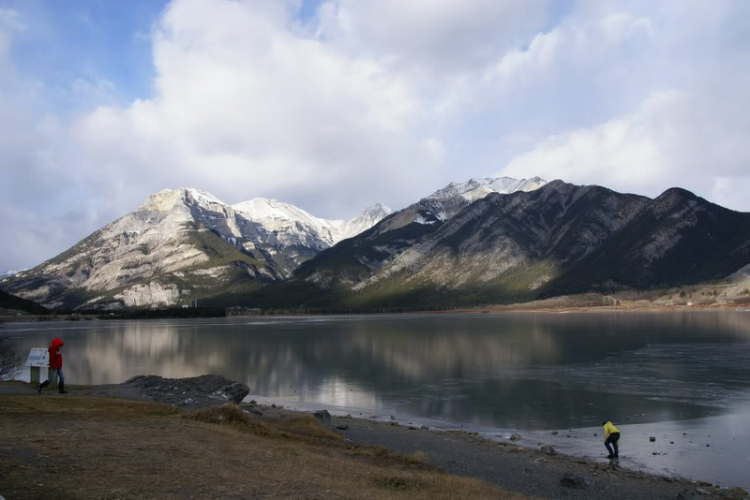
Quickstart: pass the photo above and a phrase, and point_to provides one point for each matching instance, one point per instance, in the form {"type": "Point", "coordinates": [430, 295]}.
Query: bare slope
{"type": "Point", "coordinates": [555, 240]}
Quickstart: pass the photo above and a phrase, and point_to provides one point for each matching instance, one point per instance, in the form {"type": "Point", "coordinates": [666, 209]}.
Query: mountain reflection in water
{"type": "Point", "coordinates": [523, 371]}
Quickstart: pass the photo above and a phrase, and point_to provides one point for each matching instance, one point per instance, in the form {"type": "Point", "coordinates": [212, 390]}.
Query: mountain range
{"type": "Point", "coordinates": [479, 242]}
{"type": "Point", "coordinates": [559, 239]}
{"type": "Point", "coordinates": [181, 245]}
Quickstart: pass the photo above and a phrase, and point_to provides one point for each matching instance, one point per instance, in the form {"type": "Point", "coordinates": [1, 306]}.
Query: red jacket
{"type": "Point", "coordinates": [55, 358]}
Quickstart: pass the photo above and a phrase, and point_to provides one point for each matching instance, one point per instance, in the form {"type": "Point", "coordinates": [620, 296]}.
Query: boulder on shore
{"type": "Point", "coordinates": [323, 417]}
{"type": "Point", "coordinates": [206, 390]}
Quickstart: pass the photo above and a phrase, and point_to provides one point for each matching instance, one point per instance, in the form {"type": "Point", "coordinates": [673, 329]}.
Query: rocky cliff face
{"type": "Point", "coordinates": [180, 245]}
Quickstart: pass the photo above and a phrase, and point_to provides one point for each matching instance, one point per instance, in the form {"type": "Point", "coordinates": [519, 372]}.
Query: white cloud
{"type": "Point", "coordinates": [382, 100]}
{"type": "Point", "coordinates": [693, 140]}
{"type": "Point", "coordinates": [36, 178]}
{"type": "Point", "coordinates": [623, 153]}
{"type": "Point", "coordinates": [690, 133]}
{"type": "Point", "coordinates": [246, 106]}
{"type": "Point", "coordinates": [424, 35]}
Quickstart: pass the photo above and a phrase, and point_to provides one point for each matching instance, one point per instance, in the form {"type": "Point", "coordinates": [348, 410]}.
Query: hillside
{"type": "Point", "coordinates": [556, 240]}
{"type": "Point", "coordinates": [182, 245]}
{"type": "Point", "coordinates": [11, 303]}
{"type": "Point", "coordinates": [485, 241]}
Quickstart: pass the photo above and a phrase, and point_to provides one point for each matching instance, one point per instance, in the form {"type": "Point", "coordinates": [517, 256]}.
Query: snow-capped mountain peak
{"type": "Point", "coordinates": [279, 216]}
{"type": "Point", "coordinates": [377, 210]}
{"type": "Point", "coordinates": [166, 199]}
{"type": "Point", "coordinates": [474, 189]}
{"type": "Point", "coordinates": [444, 203]}
{"type": "Point", "coordinates": [260, 209]}
{"type": "Point", "coordinates": [371, 216]}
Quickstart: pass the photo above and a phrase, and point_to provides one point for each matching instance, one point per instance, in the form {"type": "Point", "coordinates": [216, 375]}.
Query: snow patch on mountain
{"type": "Point", "coordinates": [274, 212]}
{"type": "Point", "coordinates": [741, 274]}
{"type": "Point", "coordinates": [475, 189]}
{"type": "Point", "coordinates": [371, 216]}
{"type": "Point", "coordinates": [444, 203]}
{"type": "Point", "coordinates": [275, 215]}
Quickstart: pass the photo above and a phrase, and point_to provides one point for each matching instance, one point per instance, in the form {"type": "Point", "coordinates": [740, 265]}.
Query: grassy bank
{"type": "Point", "coordinates": [86, 448]}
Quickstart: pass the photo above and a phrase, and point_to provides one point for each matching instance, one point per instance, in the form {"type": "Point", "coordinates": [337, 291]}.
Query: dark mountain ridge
{"type": "Point", "coordinates": [9, 303]}
{"type": "Point", "coordinates": [559, 239]}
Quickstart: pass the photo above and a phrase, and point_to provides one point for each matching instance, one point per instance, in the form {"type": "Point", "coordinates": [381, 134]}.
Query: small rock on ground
{"type": "Point", "coordinates": [323, 416]}
{"type": "Point", "coordinates": [573, 481]}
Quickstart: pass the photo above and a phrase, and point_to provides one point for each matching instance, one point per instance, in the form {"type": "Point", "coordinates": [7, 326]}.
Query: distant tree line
{"type": "Point", "coordinates": [187, 312]}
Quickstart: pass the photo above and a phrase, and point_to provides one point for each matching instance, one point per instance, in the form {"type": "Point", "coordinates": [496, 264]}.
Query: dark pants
{"type": "Point", "coordinates": [612, 439]}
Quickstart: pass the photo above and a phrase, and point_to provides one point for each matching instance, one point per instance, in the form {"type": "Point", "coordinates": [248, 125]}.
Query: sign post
{"type": "Point", "coordinates": [38, 358]}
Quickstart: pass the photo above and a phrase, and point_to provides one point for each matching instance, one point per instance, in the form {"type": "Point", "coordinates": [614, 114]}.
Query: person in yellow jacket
{"type": "Point", "coordinates": [611, 436]}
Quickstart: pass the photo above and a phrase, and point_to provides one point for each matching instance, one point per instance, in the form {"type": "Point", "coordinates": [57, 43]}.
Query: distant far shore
{"type": "Point", "coordinates": [620, 308]}
{"type": "Point", "coordinates": [495, 309]}
{"type": "Point", "coordinates": [706, 296]}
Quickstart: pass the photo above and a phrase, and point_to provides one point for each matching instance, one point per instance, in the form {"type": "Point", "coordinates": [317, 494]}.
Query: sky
{"type": "Point", "coordinates": [334, 105]}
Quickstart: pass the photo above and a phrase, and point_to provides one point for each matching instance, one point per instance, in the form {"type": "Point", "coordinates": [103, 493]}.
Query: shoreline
{"type": "Point", "coordinates": [519, 466]}
{"type": "Point", "coordinates": [497, 309]}
{"type": "Point", "coordinates": [573, 444]}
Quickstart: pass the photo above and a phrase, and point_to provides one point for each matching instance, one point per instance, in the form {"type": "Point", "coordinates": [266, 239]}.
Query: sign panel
{"type": "Point", "coordinates": [38, 356]}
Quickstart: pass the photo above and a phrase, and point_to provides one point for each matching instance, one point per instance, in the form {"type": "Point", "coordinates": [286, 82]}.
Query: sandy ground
{"type": "Point", "coordinates": [526, 471]}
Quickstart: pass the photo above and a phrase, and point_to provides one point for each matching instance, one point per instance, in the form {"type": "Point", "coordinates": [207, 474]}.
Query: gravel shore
{"type": "Point", "coordinates": [528, 471]}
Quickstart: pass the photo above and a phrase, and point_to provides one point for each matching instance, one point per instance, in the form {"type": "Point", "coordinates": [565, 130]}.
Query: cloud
{"type": "Point", "coordinates": [690, 133]}
{"type": "Point", "coordinates": [435, 37]}
{"type": "Point", "coordinates": [32, 145]}
{"type": "Point", "coordinates": [623, 153]}
{"type": "Point", "coordinates": [245, 105]}
{"type": "Point", "coordinates": [366, 101]}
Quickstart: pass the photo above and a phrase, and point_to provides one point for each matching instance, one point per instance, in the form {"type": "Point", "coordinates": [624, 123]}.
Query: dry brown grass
{"type": "Point", "coordinates": [295, 427]}
{"type": "Point", "coordinates": [91, 448]}
{"type": "Point", "coordinates": [384, 454]}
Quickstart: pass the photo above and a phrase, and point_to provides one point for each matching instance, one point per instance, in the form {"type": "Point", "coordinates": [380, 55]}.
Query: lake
{"type": "Point", "coordinates": [682, 377]}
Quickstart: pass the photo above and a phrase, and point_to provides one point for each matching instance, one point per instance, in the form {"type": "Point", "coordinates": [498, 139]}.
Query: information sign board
{"type": "Point", "coordinates": [38, 356]}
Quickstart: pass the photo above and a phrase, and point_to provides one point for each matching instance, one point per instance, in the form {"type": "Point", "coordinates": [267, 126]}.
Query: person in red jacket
{"type": "Point", "coordinates": [55, 367]}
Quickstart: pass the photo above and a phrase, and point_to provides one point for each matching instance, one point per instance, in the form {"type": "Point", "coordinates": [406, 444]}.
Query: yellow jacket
{"type": "Point", "coordinates": [609, 428]}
